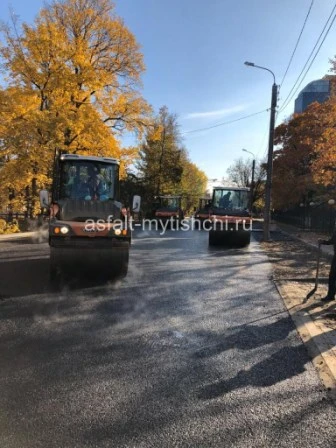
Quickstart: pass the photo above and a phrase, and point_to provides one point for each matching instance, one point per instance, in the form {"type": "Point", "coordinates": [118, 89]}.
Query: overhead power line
{"type": "Point", "coordinates": [225, 123]}
{"type": "Point", "coordinates": [296, 85]}
{"type": "Point", "coordinates": [261, 146]}
{"type": "Point", "coordinates": [310, 63]}
{"type": "Point", "coordinates": [297, 42]}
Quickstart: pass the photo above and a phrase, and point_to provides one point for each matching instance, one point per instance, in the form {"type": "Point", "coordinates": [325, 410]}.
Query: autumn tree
{"type": "Point", "coordinates": [164, 165]}
{"type": "Point", "coordinates": [73, 81]}
{"type": "Point", "coordinates": [193, 185]}
{"type": "Point", "coordinates": [305, 155]}
{"type": "Point", "coordinates": [240, 172]}
{"type": "Point", "coordinates": [323, 163]}
{"type": "Point", "coordinates": [162, 155]}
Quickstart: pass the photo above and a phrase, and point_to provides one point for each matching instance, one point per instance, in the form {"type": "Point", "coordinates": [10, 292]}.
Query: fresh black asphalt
{"type": "Point", "coordinates": [192, 349]}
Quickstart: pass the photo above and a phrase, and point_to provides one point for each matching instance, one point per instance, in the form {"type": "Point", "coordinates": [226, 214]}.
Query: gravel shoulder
{"type": "Point", "coordinates": [293, 257]}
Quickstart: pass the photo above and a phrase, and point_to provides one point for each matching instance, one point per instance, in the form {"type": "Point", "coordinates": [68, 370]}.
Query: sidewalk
{"type": "Point", "coordinates": [315, 321]}
{"type": "Point", "coordinates": [307, 237]}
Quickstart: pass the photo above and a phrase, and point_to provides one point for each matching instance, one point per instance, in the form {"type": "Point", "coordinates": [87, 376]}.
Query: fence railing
{"type": "Point", "coordinates": [318, 218]}
{"type": "Point", "coordinates": [8, 217]}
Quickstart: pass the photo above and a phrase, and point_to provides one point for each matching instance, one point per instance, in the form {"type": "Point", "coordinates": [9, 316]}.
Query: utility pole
{"type": "Point", "coordinates": [252, 184]}
{"type": "Point", "coordinates": [268, 187]}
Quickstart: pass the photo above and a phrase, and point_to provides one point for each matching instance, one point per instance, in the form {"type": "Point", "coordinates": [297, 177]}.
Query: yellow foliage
{"type": "Point", "coordinates": [156, 134]}
{"type": "Point", "coordinates": [6, 228]}
{"type": "Point", "coordinates": [193, 184]}
{"type": "Point", "coordinates": [164, 164]}
{"type": "Point", "coordinates": [73, 83]}
{"type": "Point", "coordinates": [320, 121]}
{"type": "Point", "coordinates": [306, 159]}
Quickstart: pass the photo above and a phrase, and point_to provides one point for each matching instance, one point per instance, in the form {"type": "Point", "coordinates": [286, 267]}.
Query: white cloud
{"type": "Point", "coordinates": [216, 113]}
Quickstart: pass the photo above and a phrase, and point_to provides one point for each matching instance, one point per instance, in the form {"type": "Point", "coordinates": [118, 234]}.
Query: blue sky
{"type": "Point", "coordinates": [194, 54]}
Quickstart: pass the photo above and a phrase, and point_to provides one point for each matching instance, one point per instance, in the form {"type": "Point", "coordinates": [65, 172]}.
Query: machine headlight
{"type": "Point", "coordinates": [117, 232]}
{"type": "Point", "coordinates": [64, 230]}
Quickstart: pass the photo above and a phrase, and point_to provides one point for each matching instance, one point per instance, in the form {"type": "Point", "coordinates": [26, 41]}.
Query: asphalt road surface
{"type": "Point", "coordinates": [192, 349]}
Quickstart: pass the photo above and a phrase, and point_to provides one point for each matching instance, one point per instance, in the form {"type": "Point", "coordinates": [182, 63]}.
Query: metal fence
{"type": "Point", "coordinates": [8, 217]}
{"type": "Point", "coordinates": [319, 218]}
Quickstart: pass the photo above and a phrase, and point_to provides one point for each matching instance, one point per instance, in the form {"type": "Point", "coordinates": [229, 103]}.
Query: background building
{"type": "Point", "coordinates": [319, 90]}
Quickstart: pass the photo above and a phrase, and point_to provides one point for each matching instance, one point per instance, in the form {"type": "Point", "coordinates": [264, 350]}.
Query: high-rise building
{"type": "Point", "coordinates": [319, 90]}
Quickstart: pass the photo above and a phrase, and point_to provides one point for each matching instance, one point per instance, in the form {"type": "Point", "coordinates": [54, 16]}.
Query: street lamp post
{"type": "Point", "coordinates": [268, 187]}
{"type": "Point", "coordinates": [252, 179]}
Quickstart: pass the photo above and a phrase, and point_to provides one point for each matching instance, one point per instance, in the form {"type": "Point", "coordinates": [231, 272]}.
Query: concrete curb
{"type": "Point", "coordinates": [24, 235]}
{"type": "Point", "coordinates": [316, 338]}
{"type": "Point", "coordinates": [16, 236]}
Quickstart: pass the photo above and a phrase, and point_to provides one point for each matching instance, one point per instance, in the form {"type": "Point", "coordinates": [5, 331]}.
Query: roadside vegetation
{"type": "Point", "coordinates": [8, 227]}
{"type": "Point", "coordinates": [305, 158]}
{"type": "Point", "coordinates": [304, 161]}
{"type": "Point", "coordinates": [73, 81]}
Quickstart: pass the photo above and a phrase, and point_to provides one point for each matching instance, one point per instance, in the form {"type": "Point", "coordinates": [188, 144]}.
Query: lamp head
{"type": "Point", "coordinates": [250, 64]}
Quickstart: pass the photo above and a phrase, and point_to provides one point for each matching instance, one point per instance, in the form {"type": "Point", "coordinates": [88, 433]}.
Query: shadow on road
{"type": "Point", "coordinates": [24, 277]}
{"type": "Point", "coordinates": [21, 278]}
{"type": "Point", "coordinates": [249, 337]}
{"type": "Point", "coordinates": [285, 363]}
